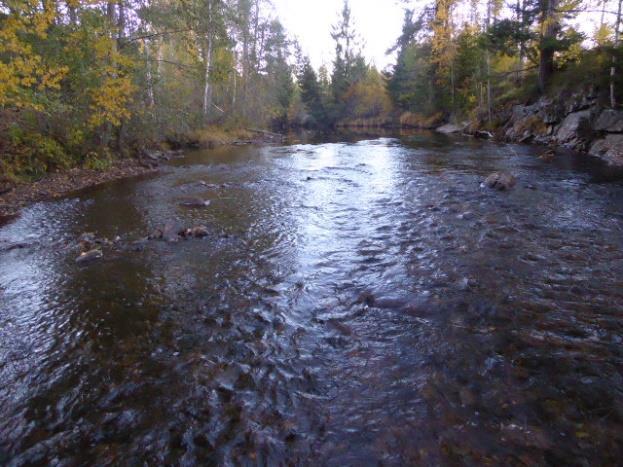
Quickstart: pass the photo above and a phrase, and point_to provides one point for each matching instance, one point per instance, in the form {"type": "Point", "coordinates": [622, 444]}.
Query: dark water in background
{"type": "Point", "coordinates": [357, 303]}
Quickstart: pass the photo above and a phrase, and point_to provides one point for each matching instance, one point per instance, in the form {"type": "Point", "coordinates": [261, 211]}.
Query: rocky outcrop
{"type": "Point", "coordinates": [609, 149]}
{"type": "Point", "coordinates": [531, 123]}
{"type": "Point", "coordinates": [609, 121]}
{"type": "Point", "coordinates": [574, 122]}
{"type": "Point", "coordinates": [575, 131]}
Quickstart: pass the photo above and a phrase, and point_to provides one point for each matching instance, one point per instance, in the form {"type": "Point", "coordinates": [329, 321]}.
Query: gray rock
{"type": "Point", "coordinates": [480, 134]}
{"type": "Point", "coordinates": [579, 101]}
{"type": "Point", "coordinates": [609, 149]}
{"type": "Point", "coordinates": [6, 186]}
{"type": "Point", "coordinates": [450, 128]}
{"type": "Point", "coordinates": [610, 121]}
{"type": "Point", "coordinates": [500, 181]}
{"type": "Point", "coordinates": [575, 130]}
{"type": "Point", "coordinates": [171, 233]}
{"type": "Point", "coordinates": [89, 256]}
{"type": "Point", "coordinates": [199, 231]}
{"type": "Point", "coordinates": [151, 154]}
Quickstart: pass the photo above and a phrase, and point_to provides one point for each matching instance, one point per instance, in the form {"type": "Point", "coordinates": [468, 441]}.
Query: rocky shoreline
{"type": "Point", "coordinates": [576, 122]}
{"type": "Point", "coordinates": [13, 197]}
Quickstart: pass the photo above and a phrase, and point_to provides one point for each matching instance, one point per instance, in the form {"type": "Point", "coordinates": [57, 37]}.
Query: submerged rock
{"type": "Point", "coordinates": [171, 233]}
{"type": "Point", "coordinates": [89, 256]}
{"type": "Point", "coordinates": [14, 246]}
{"type": "Point", "coordinates": [500, 181]}
{"type": "Point", "coordinates": [199, 231]}
{"type": "Point", "coordinates": [89, 241]}
{"type": "Point", "coordinates": [195, 203]}
{"type": "Point", "coordinates": [548, 155]}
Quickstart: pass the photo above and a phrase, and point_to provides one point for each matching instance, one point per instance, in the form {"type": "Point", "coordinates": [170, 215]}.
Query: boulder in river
{"type": "Point", "coordinates": [169, 233]}
{"type": "Point", "coordinates": [89, 241]}
{"type": "Point", "coordinates": [14, 246]}
{"type": "Point", "coordinates": [89, 256]}
{"type": "Point", "coordinates": [450, 128]}
{"type": "Point", "coordinates": [199, 231]}
{"type": "Point", "coordinates": [548, 155]}
{"type": "Point", "coordinates": [500, 181]}
{"type": "Point", "coordinates": [480, 134]}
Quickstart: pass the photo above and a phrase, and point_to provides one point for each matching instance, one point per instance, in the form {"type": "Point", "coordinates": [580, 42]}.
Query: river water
{"type": "Point", "coordinates": [363, 302]}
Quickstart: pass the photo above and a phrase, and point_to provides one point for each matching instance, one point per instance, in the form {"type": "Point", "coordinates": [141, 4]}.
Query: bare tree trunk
{"type": "Point", "coordinates": [617, 28]}
{"type": "Point", "coordinates": [207, 88]}
{"type": "Point", "coordinates": [521, 8]}
{"type": "Point", "coordinates": [235, 90]}
{"type": "Point", "coordinates": [151, 101]}
{"type": "Point", "coordinates": [488, 60]}
{"type": "Point", "coordinates": [71, 10]}
{"type": "Point", "coordinates": [120, 22]}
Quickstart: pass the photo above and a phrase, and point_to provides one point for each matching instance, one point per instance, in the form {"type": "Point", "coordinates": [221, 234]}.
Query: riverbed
{"type": "Point", "coordinates": [362, 301]}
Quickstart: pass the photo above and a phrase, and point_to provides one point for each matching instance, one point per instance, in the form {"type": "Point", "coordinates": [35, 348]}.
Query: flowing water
{"type": "Point", "coordinates": [354, 303]}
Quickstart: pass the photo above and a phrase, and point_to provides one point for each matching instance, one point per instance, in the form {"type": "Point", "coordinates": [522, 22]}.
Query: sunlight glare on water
{"type": "Point", "coordinates": [354, 303]}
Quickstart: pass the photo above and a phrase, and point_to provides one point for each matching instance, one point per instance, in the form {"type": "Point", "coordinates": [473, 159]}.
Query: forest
{"type": "Point", "coordinates": [83, 82]}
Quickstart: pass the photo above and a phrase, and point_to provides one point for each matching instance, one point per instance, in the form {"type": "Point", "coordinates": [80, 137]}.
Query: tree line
{"type": "Point", "coordinates": [84, 80]}
{"type": "Point", "coordinates": [468, 59]}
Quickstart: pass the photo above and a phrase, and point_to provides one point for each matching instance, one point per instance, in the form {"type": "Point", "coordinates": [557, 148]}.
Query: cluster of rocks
{"type": "Point", "coordinates": [464, 128]}
{"type": "Point", "coordinates": [152, 158]}
{"type": "Point", "coordinates": [172, 233]}
{"type": "Point", "coordinates": [92, 247]}
{"type": "Point", "coordinates": [578, 123]}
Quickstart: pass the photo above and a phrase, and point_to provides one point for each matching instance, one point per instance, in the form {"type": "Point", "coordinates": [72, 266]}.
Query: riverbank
{"type": "Point", "coordinates": [14, 195]}
{"type": "Point", "coordinates": [57, 185]}
{"type": "Point", "coordinates": [574, 121]}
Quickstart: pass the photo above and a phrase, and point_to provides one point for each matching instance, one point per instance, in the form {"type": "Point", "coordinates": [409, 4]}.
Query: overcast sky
{"type": "Point", "coordinates": [379, 22]}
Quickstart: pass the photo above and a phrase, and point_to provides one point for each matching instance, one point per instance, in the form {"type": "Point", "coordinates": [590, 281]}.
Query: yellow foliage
{"type": "Point", "coordinates": [110, 101]}
{"type": "Point", "coordinates": [22, 70]}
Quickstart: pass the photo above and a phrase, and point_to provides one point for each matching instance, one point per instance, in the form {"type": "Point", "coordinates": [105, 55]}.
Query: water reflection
{"type": "Point", "coordinates": [360, 301]}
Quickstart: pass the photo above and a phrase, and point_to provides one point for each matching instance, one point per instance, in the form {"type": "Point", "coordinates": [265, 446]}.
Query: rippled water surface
{"type": "Point", "coordinates": [356, 303]}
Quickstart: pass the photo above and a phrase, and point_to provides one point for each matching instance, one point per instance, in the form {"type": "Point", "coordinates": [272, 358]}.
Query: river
{"type": "Point", "coordinates": [355, 302]}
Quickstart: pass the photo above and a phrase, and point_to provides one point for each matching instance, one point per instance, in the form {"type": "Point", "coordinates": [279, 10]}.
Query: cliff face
{"type": "Point", "coordinates": [577, 122]}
